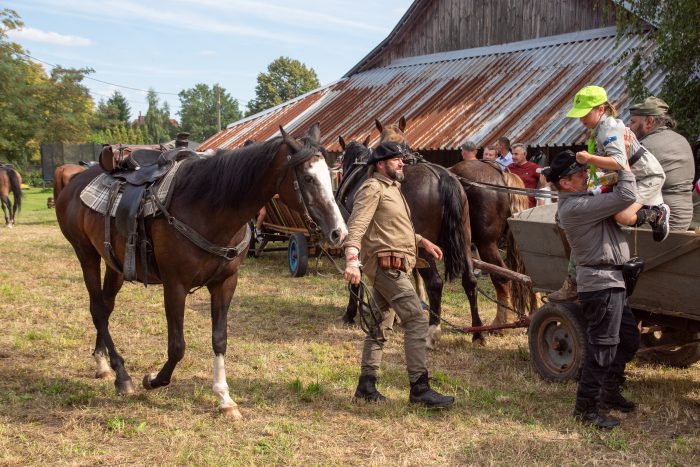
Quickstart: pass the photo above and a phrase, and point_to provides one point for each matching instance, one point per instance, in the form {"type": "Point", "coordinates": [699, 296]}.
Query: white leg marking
{"type": "Point", "coordinates": [434, 335]}
{"type": "Point", "coordinates": [102, 370]}
{"type": "Point", "coordinates": [220, 388]}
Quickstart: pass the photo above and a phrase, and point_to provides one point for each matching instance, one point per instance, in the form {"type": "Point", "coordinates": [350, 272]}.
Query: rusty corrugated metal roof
{"type": "Point", "coordinates": [520, 90]}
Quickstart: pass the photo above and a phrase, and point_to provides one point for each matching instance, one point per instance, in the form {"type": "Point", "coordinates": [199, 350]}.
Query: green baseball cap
{"type": "Point", "coordinates": [586, 99]}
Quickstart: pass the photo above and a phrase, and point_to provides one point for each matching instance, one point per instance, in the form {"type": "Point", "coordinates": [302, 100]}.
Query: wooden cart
{"type": "Point", "coordinates": [666, 301]}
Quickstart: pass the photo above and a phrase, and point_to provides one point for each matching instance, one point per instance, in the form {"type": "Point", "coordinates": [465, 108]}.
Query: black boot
{"type": "Point", "coordinates": [367, 391]}
{"type": "Point", "coordinates": [586, 412]}
{"type": "Point", "coordinates": [612, 399]}
{"type": "Point", "coordinates": [422, 394]}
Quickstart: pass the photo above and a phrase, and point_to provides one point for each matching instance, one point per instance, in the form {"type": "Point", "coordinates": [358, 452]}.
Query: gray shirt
{"type": "Point", "coordinates": [676, 157]}
{"type": "Point", "coordinates": [593, 234]}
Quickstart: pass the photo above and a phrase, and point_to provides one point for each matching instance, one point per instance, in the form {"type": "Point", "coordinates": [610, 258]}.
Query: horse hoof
{"type": "Point", "coordinates": [231, 412]}
{"type": "Point", "coordinates": [125, 387]}
{"type": "Point", "coordinates": [347, 320]}
{"type": "Point", "coordinates": [479, 340]}
{"type": "Point", "coordinates": [103, 375]}
{"type": "Point", "coordinates": [147, 378]}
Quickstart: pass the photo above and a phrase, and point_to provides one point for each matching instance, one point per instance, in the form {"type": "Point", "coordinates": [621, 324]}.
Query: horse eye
{"type": "Point", "coordinates": [308, 178]}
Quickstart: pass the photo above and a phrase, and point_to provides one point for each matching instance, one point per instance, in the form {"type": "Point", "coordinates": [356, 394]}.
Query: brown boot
{"type": "Point", "coordinates": [566, 293]}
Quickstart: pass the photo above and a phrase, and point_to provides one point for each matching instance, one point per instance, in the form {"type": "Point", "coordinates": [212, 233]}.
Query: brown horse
{"type": "Point", "coordinates": [488, 212]}
{"type": "Point", "coordinates": [216, 198]}
{"type": "Point", "coordinates": [10, 182]}
{"type": "Point", "coordinates": [62, 175]}
{"type": "Point", "coordinates": [439, 212]}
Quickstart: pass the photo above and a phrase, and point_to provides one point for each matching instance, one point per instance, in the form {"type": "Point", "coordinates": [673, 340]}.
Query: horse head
{"type": "Point", "coordinates": [394, 133]}
{"type": "Point", "coordinates": [310, 190]}
{"type": "Point", "coordinates": [353, 152]}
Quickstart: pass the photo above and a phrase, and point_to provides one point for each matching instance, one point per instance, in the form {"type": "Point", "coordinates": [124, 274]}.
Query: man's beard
{"type": "Point", "coordinates": [395, 174]}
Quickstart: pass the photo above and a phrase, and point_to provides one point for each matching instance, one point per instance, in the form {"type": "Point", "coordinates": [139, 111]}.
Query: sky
{"type": "Point", "coordinates": [173, 45]}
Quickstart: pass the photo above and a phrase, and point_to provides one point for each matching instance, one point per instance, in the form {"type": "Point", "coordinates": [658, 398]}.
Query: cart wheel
{"type": "Point", "coordinates": [679, 358]}
{"type": "Point", "coordinates": [298, 254]}
{"type": "Point", "coordinates": [557, 341]}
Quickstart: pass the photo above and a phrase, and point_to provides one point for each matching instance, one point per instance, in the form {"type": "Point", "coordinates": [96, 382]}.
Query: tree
{"type": "Point", "coordinates": [285, 79]}
{"type": "Point", "coordinates": [200, 108]}
{"type": "Point", "coordinates": [114, 112]}
{"type": "Point", "coordinates": [159, 128]}
{"type": "Point", "coordinates": [677, 37]}
{"type": "Point", "coordinates": [118, 102]}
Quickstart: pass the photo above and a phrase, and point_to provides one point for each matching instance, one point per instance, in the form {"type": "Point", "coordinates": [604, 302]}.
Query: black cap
{"type": "Point", "coordinates": [563, 165]}
{"type": "Point", "coordinates": [384, 151]}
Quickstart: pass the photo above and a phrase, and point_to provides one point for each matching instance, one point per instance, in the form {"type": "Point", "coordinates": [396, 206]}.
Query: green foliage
{"type": "Point", "coordinates": [34, 107]}
{"type": "Point", "coordinates": [114, 112]}
{"type": "Point", "coordinates": [285, 79]}
{"type": "Point", "coordinates": [200, 107]}
{"type": "Point", "coordinates": [677, 37]}
{"type": "Point", "coordinates": [159, 127]}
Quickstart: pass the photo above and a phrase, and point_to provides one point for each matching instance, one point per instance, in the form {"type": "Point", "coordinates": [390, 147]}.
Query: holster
{"type": "Point", "coordinates": [631, 271]}
{"type": "Point", "coordinates": [392, 260]}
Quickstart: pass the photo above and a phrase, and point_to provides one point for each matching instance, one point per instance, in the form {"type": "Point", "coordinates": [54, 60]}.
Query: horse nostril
{"type": "Point", "coordinates": [335, 237]}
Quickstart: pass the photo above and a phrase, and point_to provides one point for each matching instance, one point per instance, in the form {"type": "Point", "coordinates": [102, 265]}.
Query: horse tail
{"type": "Point", "coordinates": [451, 238]}
{"type": "Point", "coordinates": [518, 203]}
{"type": "Point", "coordinates": [16, 187]}
{"type": "Point", "coordinates": [522, 296]}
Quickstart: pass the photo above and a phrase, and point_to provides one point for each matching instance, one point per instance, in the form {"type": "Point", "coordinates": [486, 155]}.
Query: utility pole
{"type": "Point", "coordinates": [218, 107]}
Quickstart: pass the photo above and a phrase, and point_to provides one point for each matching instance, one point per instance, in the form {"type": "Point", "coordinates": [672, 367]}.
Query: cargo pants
{"type": "Point", "coordinates": [612, 339]}
{"type": "Point", "coordinates": [392, 288]}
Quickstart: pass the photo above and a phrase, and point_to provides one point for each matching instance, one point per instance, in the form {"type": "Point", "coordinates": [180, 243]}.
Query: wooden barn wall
{"type": "Point", "coordinates": [445, 25]}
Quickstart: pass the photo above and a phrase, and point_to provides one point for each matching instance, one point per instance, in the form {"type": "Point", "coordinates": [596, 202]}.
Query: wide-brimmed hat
{"type": "Point", "coordinates": [651, 106]}
{"type": "Point", "coordinates": [384, 151]}
{"type": "Point", "coordinates": [563, 165]}
{"type": "Point", "coordinates": [586, 99]}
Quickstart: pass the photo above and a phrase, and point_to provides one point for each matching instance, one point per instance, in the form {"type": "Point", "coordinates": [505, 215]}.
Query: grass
{"type": "Point", "coordinates": [292, 367]}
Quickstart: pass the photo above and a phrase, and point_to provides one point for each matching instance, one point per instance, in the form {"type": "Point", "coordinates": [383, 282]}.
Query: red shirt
{"type": "Point", "coordinates": [528, 174]}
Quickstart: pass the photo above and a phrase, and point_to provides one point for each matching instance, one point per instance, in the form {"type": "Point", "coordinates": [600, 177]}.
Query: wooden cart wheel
{"type": "Point", "coordinates": [298, 254]}
{"type": "Point", "coordinates": [557, 341]}
{"type": "Point", "coordinates": [681, 357]}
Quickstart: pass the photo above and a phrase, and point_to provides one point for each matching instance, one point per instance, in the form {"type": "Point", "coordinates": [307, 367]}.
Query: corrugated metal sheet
{"type": "Point", "coordinates": [520, 90]}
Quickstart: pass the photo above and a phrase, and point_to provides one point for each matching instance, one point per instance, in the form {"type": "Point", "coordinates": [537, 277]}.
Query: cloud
{"type": "Point", "coordinates": [48, 37]}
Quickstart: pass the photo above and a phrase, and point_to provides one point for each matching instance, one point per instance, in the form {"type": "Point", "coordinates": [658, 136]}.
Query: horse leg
{"type": "Point", "coordinates": [90, 262]}
{"type": "Point", "coordinates": [351, 309]}
{"type": "Point", "coordinates": [221, 294]}
{"type": "Point", "coordinates": [469, 286]}
{"type": "Point", "coordinates": [5, 201]}
{"type": "Point", "coordinates": [174, 297]}
{"type": "Point", "coordinates": [433, 287]}
{"type": "Point", "coordinates": [112, 284]}
{"type": "Point", "coordinates": [490, 254]}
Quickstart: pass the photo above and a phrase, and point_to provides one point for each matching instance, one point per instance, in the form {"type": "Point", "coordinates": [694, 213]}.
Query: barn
{"type": "Point", "coordinates": [463, 70]}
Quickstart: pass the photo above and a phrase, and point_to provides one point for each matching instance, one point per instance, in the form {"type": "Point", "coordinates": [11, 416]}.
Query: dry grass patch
{"type": "Point", "coordinates": [292, 366]}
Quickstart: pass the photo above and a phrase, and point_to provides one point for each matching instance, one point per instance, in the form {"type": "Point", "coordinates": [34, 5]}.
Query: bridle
{"type": "Point", "coordinates": [298, 188]}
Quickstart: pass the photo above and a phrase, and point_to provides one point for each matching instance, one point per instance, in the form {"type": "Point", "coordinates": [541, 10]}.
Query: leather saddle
{"type": "Point", "coordinates": [137, 170]}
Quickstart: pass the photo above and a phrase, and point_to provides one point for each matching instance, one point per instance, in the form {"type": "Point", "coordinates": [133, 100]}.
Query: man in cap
{"type": "Point", "coordinates": [468, 151]}
{"type": "Point", "coordinates": [651, 123]}
{"type": "Point", "coordinates": [380, 232]}
{"type": "Point", "coordinates": [600, 248]}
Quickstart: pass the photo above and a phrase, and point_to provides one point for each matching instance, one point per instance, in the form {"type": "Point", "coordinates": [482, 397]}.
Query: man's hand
{"type": "Point", "coordinates": [352, 274]}
{"type": "Point", "coordinates": [431, 248]}
{"type": "Point", "coordinates": [582, 157]}
{"type": "Point", "coordinates": [628, 142]}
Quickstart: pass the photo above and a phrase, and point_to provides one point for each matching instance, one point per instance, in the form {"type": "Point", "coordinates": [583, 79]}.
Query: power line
{"type": "Point", "coordinates": [99, 80]}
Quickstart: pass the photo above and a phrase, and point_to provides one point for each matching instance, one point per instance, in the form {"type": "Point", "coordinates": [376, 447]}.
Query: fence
{"type": "Point", "coordinates": [56, 154]}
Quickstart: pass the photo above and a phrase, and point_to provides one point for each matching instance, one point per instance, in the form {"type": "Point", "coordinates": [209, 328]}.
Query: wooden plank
{"type": "Point", "coordinates": [671, 254]}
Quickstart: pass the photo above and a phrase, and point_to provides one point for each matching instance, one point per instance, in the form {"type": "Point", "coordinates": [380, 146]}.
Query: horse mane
{"type": "Point", "coordinates": [518, 202]}
{"type": "Point", "coordinates": [226, 178]}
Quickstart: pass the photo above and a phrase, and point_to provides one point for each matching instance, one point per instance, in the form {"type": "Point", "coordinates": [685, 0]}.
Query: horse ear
{"type": "Point", "coordinates": [291, 142]}
{"type": "Point", "coordinates": [341, 141]}
{"type": "Point", "coordinates": [378, 125]}
{"type": "Point", "coordinates": [315, 132]}
{"type": "Point", "coordinates": [366, 142]}
{"type": "Point", "coordinates": [402, 123]}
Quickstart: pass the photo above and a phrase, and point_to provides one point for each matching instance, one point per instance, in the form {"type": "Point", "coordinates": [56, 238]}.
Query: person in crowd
{"type": "Point", "coordinates": [607, 151]}
{"type": "Point", "coordinates": [600, 248]}
{"type": "Point", "coordinates": [381, 234]}
{"type": "Point", "coordinates": [653, 126]}
{"type": "Point", "coordinates": [491, 153]}
{"type": "Point", "coordinates": [469, 151]}
{"type": "Point", "coordinates": [526, 170]}
{"type": "Point", "coordinates": [505, 157]}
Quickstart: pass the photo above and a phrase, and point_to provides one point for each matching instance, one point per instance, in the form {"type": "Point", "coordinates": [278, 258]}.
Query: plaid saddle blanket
{"type": "Point", "coordinates": [96, 194]}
